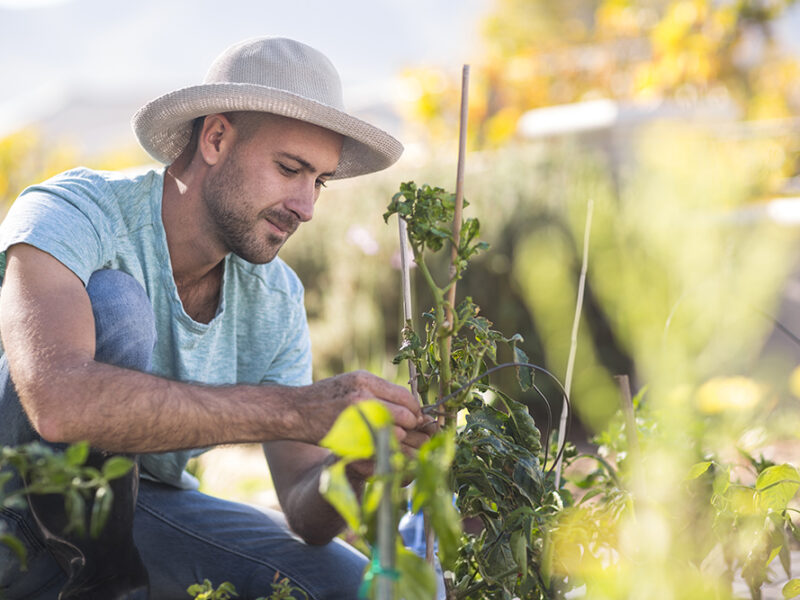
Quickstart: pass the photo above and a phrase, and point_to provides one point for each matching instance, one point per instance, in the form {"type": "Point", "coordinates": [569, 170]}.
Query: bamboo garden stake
{"type": "Point", "coordinates": [562, 426]}
{"type": "Point", "coordinates": [462, 152]}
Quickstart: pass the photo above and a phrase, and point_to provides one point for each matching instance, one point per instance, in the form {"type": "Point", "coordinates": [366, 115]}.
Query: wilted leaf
{"type": "Point", "coordinates": [528, 435]}
{"type": "Point", "coordinates": [524, 374]}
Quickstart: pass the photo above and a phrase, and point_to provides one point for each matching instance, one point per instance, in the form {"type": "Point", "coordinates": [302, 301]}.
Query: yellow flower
{"type": "Point", "coordinates": [723, 394]}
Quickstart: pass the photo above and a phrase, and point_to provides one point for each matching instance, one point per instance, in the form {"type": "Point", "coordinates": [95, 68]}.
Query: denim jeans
{"type": "Point", "coordinates": [183, 536]}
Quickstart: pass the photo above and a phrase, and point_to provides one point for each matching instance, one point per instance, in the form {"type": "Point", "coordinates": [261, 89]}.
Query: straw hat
{"type": "Point", "coordinates": [274, 75]}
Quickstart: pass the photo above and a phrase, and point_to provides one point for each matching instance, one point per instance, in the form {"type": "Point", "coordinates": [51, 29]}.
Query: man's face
{"type": "Point", "coordinates": [267, 185]}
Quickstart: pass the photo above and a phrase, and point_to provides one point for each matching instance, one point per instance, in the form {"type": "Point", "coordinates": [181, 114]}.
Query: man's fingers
{"type": "Point", "coordinates": [396, 394]}
{"type": "Point", "coordinates": [400, 433]}
{"type": "Point", "coordinates": [362, 469]}
{"type": "Point", "coordinates": [415, 439]}
{"type": "Point", "coordinates": [402, 417]}
{"type": "Point", "coordinates": [429, 427]}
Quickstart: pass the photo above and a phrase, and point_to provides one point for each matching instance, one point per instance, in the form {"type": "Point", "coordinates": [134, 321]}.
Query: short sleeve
{"type": "Point", "coordinates": [64, 218]}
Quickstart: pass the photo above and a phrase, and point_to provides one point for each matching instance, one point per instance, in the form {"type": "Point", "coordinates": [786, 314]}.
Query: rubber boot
{"type": "Point", "coordinates": [104, 568]}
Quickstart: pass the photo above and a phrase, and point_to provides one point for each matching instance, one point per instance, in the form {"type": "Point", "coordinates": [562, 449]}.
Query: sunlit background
{"type": "Point", "coordinates": [680, 119]}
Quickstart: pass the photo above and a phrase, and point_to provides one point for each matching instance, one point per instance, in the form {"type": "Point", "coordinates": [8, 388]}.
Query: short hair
{"type": "Point", "coordinates": [246, 122]}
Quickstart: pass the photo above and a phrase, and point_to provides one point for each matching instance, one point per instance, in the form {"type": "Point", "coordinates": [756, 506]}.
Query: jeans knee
{"type": "Point", "coordinates": [125, 328]}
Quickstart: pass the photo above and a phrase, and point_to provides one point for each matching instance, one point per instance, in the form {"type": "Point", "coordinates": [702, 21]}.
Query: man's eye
{"type": "Point", "coordinates": [320, 183]}
{"type": "Point", "coordinates": [287, 170]}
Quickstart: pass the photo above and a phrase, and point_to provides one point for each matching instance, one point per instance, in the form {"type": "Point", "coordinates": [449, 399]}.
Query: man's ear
{"type": "Point", "coordinates": [216, 138]}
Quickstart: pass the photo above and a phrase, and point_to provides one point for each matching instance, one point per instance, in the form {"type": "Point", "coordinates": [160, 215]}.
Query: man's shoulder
{"type": "Point", "coordinates": [87, 179]}
{"type": "Point", "coordinates": [82, 187]}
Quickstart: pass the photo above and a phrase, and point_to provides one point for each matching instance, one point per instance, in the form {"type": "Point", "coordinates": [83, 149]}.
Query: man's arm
{"type": "Point", "coordinates": [47, 330]}
{"type": "Point", "coordinates": [296, 470]}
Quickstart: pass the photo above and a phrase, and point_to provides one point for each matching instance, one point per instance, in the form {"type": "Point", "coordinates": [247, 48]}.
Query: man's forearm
{"type": "Point", "coordinates": [128, 411]}
{"type": "Point", "coordinates": [309, 514]}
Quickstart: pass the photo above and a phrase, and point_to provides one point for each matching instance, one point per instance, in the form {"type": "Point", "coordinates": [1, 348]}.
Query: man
{"type": "Point", "coordinates": [150, 316]}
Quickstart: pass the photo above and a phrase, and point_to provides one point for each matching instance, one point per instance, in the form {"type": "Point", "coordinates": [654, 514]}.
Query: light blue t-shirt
{"type": "Point", "coordinates": [92, 220]}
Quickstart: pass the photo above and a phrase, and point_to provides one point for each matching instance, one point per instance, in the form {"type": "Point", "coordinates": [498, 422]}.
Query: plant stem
{"type": "Point", "coordinates": [408, 312]}
{"type": "Point", "coordinates": [630, 418]}
{"type": "Point", "coordinates": [562, 428]}
{"type": "Point", "coordinates": [386, 521]}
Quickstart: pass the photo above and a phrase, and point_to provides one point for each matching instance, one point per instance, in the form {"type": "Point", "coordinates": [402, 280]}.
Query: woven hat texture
{"type": "Point", "coordinates": [274, 75]}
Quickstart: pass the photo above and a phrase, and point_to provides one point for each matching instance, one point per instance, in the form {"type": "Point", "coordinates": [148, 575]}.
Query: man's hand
{"type": "Point", "coordinates": [326, 400]}
{"type": "Point", "coordinates": [329, 397]}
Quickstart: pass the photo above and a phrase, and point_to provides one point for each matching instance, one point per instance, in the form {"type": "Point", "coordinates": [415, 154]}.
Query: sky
{"type": "Point", "coordinates": [137, 50]}
{"type": "Point", "coordinates": [162, 44]}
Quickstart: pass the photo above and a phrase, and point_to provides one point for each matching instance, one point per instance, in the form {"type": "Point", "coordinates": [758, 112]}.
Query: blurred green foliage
{"type": "Point", "coordinates": [536, 53]}
{"type": "Point", "coordinates": [677, 280]}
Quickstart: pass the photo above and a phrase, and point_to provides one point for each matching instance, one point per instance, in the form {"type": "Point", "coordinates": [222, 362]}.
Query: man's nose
{"type": "Point", "coordinates": [302, 201]}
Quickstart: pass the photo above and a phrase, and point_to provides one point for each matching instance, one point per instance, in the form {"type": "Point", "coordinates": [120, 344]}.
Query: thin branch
{"type": "Point", "coordinates": [632, 432]}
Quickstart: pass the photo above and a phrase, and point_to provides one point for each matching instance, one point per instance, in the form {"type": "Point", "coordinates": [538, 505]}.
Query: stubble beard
{"type": "Point", "coordinates": [233, 219]}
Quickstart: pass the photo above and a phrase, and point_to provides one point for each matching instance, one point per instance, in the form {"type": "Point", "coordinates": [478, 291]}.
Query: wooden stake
{"type": "Point", "coordinates": [462, 156]}
{"type": "Point", "coordinates": [562, 427]}
{"type": "Point", "coordinates": [451, 295]}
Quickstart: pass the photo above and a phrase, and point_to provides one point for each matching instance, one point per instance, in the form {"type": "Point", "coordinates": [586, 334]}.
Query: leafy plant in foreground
{"type": "Point", "coordinates": [498, 471]}
{"type": "Point", "coordinates": [47, 471]}
{"type": "Point", "coordinates": [281, 590]}
{"type": "Point", "coordinates": [494, 463]}
{"type": "Point", "coordinates": [750, 522]}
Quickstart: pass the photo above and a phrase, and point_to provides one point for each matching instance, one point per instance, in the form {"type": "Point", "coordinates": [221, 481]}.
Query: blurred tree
{"type": "Point", "coordinates": [538, 53]}
{"type": "Point", "coordinates": [27, 158]}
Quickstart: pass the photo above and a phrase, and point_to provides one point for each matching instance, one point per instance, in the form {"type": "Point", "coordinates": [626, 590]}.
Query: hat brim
{"type": "Point", "coordinates": [163, 126]}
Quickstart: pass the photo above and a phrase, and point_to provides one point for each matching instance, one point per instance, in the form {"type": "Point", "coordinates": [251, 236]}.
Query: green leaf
{"type": "Point", "coordinates": [351, 437]}
{"type": "Point", "coordinates": [698, 469]}
{"type": "Point", "coordinates": [524, 374]}
{"type": "Point", "coordinates": [791, 589]}
{"type": "Point", "coordinates": [497, 560]}
{"type": "Point", "coordinates": [76, 509]}
{"type": "Point", "coordinates": [417, 579]}
{"type": "Point", "coordinates": [776, 486]}
{"type": "Point", "coordinates": [116, 466]}
{"type": "Point", "coordinates": [336, 489]}
{"type": "Point", "coordinates": [101, 509]}
{"type": "Point", "coordinates": [786, 558]}
{"type": "Point", "coordinates": [16, 547]}
{"type": "Point", "coordinates": [76, 454]}
{"type": "Point", "coordinates": [519, 550]}
{"type": "Point", "coordinates": [527, 435]}
{"type": "Point", "coordinates": [372, 496]}
{"type": "Point", "coordinates": [773, 554]}
{"type": "Point", "coordinates": [431, 491]}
